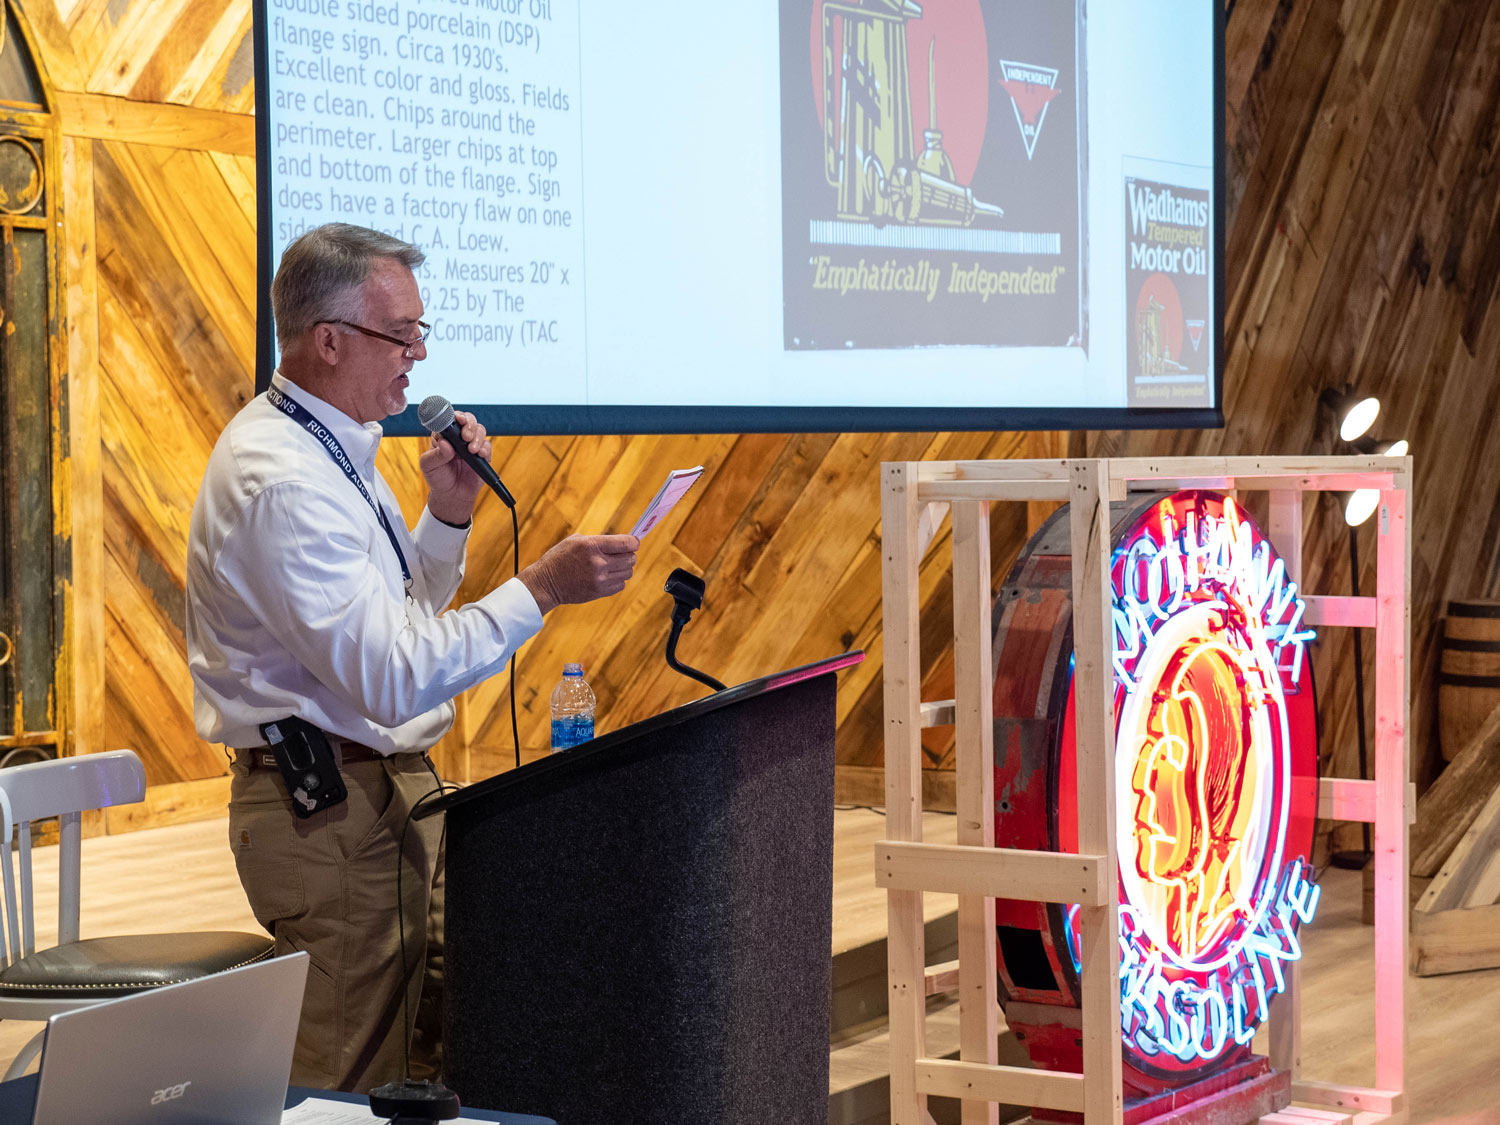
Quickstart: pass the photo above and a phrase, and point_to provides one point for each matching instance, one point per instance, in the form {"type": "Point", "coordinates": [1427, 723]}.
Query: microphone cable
{"type": "Point", "coordinates": [437, 417]}
{"type": "Point", "coordinates": [441, 787]}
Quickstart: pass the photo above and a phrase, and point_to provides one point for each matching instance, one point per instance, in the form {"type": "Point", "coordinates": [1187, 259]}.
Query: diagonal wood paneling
{"type": "Point", "coordinates": [1362, 247]}
{"type": "Point", "coordinates": [175, 362]}
{"type": "Point", "coordinates": [182, 52]}
{"type": "Point", "coordinates": [785, 530]}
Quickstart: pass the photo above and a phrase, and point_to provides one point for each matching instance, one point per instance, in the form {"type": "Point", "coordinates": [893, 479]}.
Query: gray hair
{"type": "Point", "coordinates": [321, 274]}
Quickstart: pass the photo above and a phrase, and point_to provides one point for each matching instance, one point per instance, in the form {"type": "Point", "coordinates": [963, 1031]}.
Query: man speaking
{"type": "Point", "coordinates": [321, 653]}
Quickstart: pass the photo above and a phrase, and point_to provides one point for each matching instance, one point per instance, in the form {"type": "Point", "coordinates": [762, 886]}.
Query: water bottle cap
{"type": "Point", "coordinates": [572, 669]}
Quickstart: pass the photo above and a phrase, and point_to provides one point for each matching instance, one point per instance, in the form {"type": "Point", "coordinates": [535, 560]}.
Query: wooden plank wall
{"type": "Point", "coordinates": [159, 205]}
{"type": "Point", "coordinates": [1364, 249]}
{"type": "Point", "coordinates": [1363, 195]}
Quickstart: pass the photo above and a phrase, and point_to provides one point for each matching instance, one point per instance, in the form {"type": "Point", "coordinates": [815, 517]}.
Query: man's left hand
{"type": "Point", "coordinates": [452, 485]}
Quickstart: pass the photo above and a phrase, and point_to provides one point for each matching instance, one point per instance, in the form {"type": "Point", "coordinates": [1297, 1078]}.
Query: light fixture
{"type": "Point", "coordinates": [1361, 505]}
{"type": "Point", "coordinates": [1379, 447]}
{"type": "Point", "coordinates": [1355, 413]}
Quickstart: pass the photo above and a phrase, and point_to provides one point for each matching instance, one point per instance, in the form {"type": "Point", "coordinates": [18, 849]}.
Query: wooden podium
{"type": "Point", "coordinates": [638, 929]}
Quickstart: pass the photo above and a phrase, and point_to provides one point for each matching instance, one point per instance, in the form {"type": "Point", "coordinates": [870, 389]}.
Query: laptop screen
{"type": "Point", "coordinates": [215, 1049]}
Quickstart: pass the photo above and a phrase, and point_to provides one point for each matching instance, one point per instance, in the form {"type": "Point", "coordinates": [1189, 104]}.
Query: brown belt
{"type": "Point", "coordinates": [260, 757]}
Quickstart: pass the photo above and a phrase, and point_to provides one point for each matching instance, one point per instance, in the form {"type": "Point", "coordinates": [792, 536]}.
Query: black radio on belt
{"type": "Point", "coordinates": [307, 764]}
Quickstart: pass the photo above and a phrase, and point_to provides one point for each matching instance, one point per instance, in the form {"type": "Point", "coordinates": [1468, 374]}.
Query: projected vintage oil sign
{"type": "Point", "coordinates": [1215, 783]}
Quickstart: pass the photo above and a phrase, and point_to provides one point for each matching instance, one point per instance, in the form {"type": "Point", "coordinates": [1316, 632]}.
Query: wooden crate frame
{"type": "Point", "coordinates": [978, 872]}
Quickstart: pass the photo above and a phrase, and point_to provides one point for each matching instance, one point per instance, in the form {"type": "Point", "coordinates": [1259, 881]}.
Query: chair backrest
{"type": "Point", "coordinates": [64, 788]}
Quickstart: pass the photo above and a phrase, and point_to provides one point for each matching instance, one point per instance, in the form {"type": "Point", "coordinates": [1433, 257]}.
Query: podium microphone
{"type": "Point", "coordinates": [687, 592]}
{"type": "Point", "coordinates": [436, 416]}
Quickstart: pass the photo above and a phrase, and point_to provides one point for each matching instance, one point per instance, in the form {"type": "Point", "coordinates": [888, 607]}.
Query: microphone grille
{"type": "Point", "coordinates": [435, 414]}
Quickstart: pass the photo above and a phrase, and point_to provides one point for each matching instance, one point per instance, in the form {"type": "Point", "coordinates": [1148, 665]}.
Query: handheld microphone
{"type": "Point", "coordinates": [436, 416]}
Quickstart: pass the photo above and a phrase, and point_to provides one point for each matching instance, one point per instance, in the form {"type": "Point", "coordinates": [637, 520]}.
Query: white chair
{"type": "Point", "coordinates": [74, 973]}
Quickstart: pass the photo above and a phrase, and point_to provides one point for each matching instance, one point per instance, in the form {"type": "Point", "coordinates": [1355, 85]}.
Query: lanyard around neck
{"type": "Point", "coordinates": [303, 417]}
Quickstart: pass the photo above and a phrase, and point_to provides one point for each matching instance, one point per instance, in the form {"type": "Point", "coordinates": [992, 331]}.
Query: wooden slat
{"type": "Point", "coordinates": [1350, 799]}
{"type": "Point", "coordinates": [906, 952]}
{"type": "Point", "coordinates": [1014, 1084]}
{"type": "Point", "coordinates": [1455, 941]}
{"type": "Point", "coordinates": [938, 713]}
{"type": "Point", "coordinates": [85, 475]}
{"type": "Point", "coordinates": [1453, 885]}
{"type": "Point", "coordinates": [944, 491]}
{"type": "Point", "coordinates": [54, 46]}
{"type": "Point", "coordinates": [1315, 472]}
{"type": "Point", "coordinates": [1324, 482]}
{"type": "Point", "coordinates": [139, 31]}
{"type": "Point", "coordinates": [974, 711]}
{"type": "Point", "coordinates": [1099, 925]}
{"type": "Point", "coordinates": [183, 64]}
{"type": "Point", "coordinates": [182, 802]}
{"type": "Point", "coordinates": [231, 85]}
{"type": "Point", "coordinates": [1446, 810]}
{"type": "Point", "coordinates": [1392, 765]}
{"type": "Point", "coordinates": [1348, 1097]}
{"type": "Point", "coordinates": [1294, 1115]}
{"type": "Point", "coordinates": [1023, 469]}
{"type": "Point", "coordinates": [1340, 611]}
{"type": "Point", "coordinates": [942, 978]}
{"type": "Point", "coordinates": [996, 872]}
{"type": "Point", "coordinates": [107, 118]}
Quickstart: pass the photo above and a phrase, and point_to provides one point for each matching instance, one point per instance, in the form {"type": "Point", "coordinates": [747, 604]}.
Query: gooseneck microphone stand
{"type": "Point", "coordinates": [687, 595]}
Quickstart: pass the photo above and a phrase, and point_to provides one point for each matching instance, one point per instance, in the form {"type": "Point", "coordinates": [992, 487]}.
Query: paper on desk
{"type": "Point", "coordinates": [678, 482]}
{"type": "Point", "coordinates": [322, 1111]}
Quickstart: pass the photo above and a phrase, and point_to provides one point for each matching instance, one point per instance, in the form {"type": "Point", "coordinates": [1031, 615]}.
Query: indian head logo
{"type": "Point", "coordinates": [1031, 89]}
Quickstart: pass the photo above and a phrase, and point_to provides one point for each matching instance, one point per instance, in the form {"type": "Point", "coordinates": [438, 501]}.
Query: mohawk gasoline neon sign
{"type": "Point", "coordinates": [1208, 639]}
{"type": "Point", "coordinates": [1215, 784]}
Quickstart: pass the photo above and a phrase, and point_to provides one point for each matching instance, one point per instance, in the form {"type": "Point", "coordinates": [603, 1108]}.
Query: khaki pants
{"type": "Point", "coordinates": [327, 886]}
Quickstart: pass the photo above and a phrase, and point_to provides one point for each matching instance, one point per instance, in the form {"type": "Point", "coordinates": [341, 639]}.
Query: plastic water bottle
{"type": "Point", "coordinates": [572, 709]}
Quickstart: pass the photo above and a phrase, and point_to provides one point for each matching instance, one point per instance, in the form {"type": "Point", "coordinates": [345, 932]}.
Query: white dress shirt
{"type": "Point", "coordinates": [295, 598]}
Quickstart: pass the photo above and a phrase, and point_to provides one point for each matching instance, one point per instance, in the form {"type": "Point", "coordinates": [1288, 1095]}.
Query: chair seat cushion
{"type": "Point", "coordinates": [118, 966]}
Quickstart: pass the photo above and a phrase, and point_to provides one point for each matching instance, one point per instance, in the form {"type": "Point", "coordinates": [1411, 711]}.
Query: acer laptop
{"type": "Point", "coordinates": [216, 1049]}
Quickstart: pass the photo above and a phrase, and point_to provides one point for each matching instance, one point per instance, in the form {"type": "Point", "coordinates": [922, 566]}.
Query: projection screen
{"type": "Point", "coordinates": [804, 215]}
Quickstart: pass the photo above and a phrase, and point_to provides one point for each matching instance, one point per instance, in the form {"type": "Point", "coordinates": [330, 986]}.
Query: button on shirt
{"type": "Point", "coordinates": [296, 603]}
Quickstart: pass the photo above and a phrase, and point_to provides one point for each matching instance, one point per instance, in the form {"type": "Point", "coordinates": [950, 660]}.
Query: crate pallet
{"type": "Point", "coordinates": [978, 872]}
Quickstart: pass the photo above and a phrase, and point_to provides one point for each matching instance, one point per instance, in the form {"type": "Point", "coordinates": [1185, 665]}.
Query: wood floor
{"type": "Point", "coordinates": [182, 878]}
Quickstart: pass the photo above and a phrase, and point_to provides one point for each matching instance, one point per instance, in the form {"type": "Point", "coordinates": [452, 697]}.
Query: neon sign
{"type": "Point", "coordinates": [1208, 642]}
{"type": "Point", "coordinates": [1215, 786]}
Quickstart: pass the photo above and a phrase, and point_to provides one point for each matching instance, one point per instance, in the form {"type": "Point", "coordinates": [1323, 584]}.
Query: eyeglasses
{"type": "Point", "coordinates": [409, 345]}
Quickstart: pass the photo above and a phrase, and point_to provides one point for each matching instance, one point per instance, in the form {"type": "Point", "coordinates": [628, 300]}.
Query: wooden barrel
{"type": "Point", "coordinates": [1469, 671]}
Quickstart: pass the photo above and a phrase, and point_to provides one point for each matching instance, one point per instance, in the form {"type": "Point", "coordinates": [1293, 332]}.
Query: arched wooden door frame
{"type": "Point", "coordinates": [36, 536]}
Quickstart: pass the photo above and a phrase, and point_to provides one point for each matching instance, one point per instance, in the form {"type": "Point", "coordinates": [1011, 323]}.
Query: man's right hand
{"type": "Point", "coordinates": [580, 569]}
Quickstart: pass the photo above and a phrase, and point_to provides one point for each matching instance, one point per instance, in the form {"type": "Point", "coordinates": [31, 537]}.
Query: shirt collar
{"type": "Point", "coordinates": [360, 440]}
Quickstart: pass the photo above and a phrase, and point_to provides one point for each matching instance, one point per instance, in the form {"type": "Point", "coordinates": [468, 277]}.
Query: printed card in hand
{"type": "Point", "coordinates": [677, 483]}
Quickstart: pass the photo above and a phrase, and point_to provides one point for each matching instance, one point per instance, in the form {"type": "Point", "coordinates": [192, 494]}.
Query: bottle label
{"type": "Point", "coordinates": [572, 730]}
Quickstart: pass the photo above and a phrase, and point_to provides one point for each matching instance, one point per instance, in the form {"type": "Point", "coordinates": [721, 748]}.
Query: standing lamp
{"type": "Point", "coordinates": [1355, 416]}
